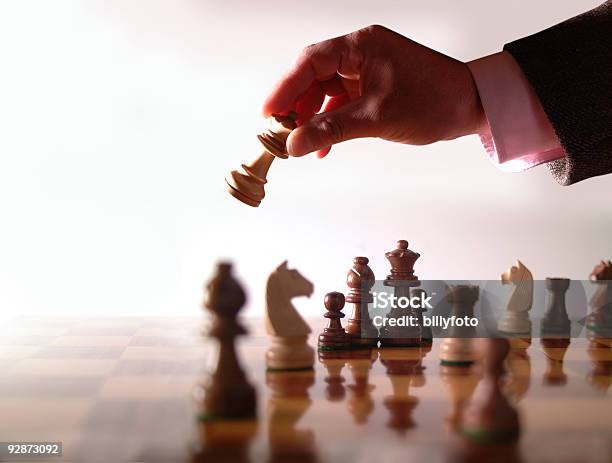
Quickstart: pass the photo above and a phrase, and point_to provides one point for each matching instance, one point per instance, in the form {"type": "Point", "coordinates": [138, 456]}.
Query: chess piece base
{"type": "Point", "coordinates": [364, 343]}
{"type": "Point", "coordinates": [515, 323]}
{"type": "Point", "coordinates": [289, 354]}
{"type": "Point", "coordinates": [400, 342]}
{"type": "Point", "coordinates": [241, 197]}
{"type": "Point", "coordinates": [334, 342]}
{"type": "Point", "coordinates": [457, 351]}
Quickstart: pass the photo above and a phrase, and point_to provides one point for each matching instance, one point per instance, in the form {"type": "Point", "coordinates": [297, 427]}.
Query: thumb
{"type": "Point", "coordinates": [328, 128]}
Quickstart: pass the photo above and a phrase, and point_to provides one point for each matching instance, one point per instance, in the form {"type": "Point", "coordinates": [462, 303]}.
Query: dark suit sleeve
{"type": "Point", "coordinates": [569, 67]}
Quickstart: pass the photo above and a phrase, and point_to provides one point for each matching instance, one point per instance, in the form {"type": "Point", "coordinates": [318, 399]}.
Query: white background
{"type": "Point", "coordinates": [120, 119]}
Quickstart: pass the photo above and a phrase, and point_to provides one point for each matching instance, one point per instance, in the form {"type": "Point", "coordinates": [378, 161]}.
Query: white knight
{"type": "Point", "coordinates": [515, 319]}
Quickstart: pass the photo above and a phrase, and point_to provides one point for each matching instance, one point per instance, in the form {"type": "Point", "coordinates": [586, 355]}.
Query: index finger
{"type": "Point", "coordinates": [320, 61]}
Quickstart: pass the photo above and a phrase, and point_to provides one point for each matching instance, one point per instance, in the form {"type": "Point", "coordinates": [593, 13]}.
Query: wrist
{"type": "Point", "coordinates": [475, 120]}
{"type": "Point", "coordinates": [468, 115]}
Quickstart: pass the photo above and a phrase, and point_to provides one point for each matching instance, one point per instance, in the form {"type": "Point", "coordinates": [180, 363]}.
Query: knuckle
{"type": "Point", "coordinates": [315, 51]}
{"type": "Point", "coordinates": [375, 29]}
{"type": "Point", "coordinates": [368, 34]}
{"type": "Point", "coordinates": [332, 128]}
{"type": "Point", "coordinates": [309, 50]}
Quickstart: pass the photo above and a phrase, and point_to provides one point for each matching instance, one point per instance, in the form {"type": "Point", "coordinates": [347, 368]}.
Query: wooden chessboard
{"type": "Point", "coordinates": [120, 389]}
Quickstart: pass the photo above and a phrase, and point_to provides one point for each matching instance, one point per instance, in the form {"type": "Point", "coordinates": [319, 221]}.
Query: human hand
{"type": "Point", "coordinates": [380, 84]}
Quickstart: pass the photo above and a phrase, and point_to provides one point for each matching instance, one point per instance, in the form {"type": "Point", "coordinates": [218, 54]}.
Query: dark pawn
{"type": "Point", "coordinates": [226, 394]}
{"type": "Point", "coordinates": [334, 337]}
{"type": "Point", "coordinates": [490, 417]}
{"type": "Point", "coordinates": [360, 280]}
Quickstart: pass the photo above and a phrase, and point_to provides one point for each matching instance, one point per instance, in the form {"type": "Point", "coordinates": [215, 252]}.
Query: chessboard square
{"type": "Point", "coordinates": [38, 419]}
{"type": "Point", "coordinates": [64, 367]}
{"type": "Point", "coordinates": [43, 322]}
{"type": "Point", "coordinates": [93, 341]}
{"type": "Point", "coordinates": [164, 353]}
{"type": "Point", "coordinates": [132, 415]}
{"type": "Point", "coordinates": [156, 367]}
{"type": "Point", "coordinates": [103, 330]}
{"type": "Point", "coordinates": [164, 341]}
{"type": "Point", "coordinates": [147, 387]}
{"type": "Point", "coordinates": [49, 386]}
{"type": "Point", "coordinates": [578, 354]}
{"type": "Point", "coordinates": [27, 340]}
{"type": "Point", "coordinates": [171, 322]}
{"type": "Point", "coordinates": [111, 321]}
{"type": "Point", "coordinates": [126, 429]}
{"type": "Point", "coordinates": [70, 352]}
{"type": "Point", "coordinates": [180, 332]}
{"type": "Point", "coordinates": [37, 331]}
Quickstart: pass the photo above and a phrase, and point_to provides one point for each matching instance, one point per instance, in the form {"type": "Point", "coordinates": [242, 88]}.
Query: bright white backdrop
{"type": "Point", "coordinates": [119, 120]}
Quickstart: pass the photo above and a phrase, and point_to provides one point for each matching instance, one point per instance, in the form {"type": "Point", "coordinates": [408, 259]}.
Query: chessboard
{"type": "Point", "coordinates": [121, 390]}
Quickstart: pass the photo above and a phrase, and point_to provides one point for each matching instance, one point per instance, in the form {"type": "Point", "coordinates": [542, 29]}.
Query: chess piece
{"type": "Point", "coordinates": [288, 330]}
{"type": "Point", "coordinates": [334, 361]}
{"type": "Point", "coordinates": [460, 382]}
{"type": "Point", "coordinates": [602, 271]}
{"type": "Point", "coordinates": [599, 321]}
{"type": "Point", "coordinates": [334, 337]}
{"type": "Point", "coordinates": [457, 347]}
{"type": "Point", "coordinates": [360, 403]}
{"type": "Point", "coordinates": [227, 393]}
{"type": "Point", "coordinates": [555, 321]}
{"type": "Point", "coordinates": [401, 279]}
{"type": "Point", "coordinates": [360, 328]}
{"type": "Point", "coordinates": [555, 348]}
{"type": "Point", "coordinates": [426, 332]}
{"type": "Point", "coordinates": [490, 417]}
{"type": "Point", "coordinates": [515, 319]}
{"type": "Point", "coordinates": [247, 184]}
{"type": "Point", "coordinates": [401, 365]}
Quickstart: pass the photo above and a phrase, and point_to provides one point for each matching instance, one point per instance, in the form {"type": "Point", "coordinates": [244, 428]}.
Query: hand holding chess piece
{"type": "Point", "coordinates": [247, 184]}
{"type": "Point", "coordinates": [227, 394]}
